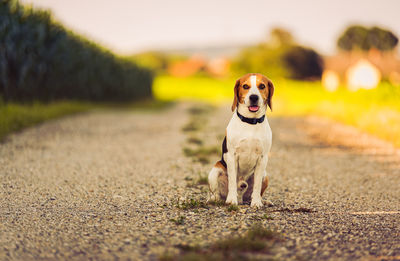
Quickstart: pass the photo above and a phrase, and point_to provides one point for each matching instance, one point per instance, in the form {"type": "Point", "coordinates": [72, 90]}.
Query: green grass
{"type": "Point", "coordinates": [257, 240]}
{"type": "Point", "coordinates": [218, 203]}
{"type": "Point", "coordinates": [202, 180]}
{"type": "Point", "coordinates": [201, 151]}
{"type": "Point", "coordinates": [191, 204]}
{"type": "Point", "coordinates": [179, 221]}
{"type": "Point", "coordinates": [17, 116]}
{"type": "Point", "coordinates": [198, 117]}
{"type": "Point", "coordinates": [375, 111]}
{"type": "Point", "coordinates": [194, 140]}
{"type": "Point", "coordinates": [192, 126]}
{"type": "Point", "coordinates": [232, 208]}
{"type": "Point", "coordinates": [168, 88]}
{"type": "Point", "coordinates": [267, 217]}
{"type": "Point", "coordinates": [202, 109]}
{"type": "Point", "coordinates": [14, 116]}
{"type": "Point", "coordinates": [201, 154]}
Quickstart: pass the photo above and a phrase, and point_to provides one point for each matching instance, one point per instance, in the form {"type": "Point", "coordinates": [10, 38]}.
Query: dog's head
{"type": "Point", "coordinates": [252, 94]}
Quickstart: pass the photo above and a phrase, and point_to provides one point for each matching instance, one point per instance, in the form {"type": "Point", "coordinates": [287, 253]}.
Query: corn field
{"type": "Point", "coordinates": [41, 60]}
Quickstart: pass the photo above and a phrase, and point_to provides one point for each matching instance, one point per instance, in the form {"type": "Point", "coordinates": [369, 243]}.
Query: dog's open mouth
{"type": "Point", "coordinates": [253, 108]}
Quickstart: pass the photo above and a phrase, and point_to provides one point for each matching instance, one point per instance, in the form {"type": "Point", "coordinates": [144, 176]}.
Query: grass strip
{"type": "Point", "coordinates": [17, 116]}
{"type": "Point", "coordinates": [375, 111]}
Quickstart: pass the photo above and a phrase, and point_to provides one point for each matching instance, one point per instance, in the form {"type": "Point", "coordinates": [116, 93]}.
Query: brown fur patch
{"type": "Point", "coordinates": [269, 91]}
{"type": "Point", "coordinates": [220, 165]}
{"type": "Point", "coordinates": [240, 92]}
{"type": "Point", "coordinates": [235, 94]}
{"type": "Point", "coordinates": [223, 185]}
{"type": "Point", "coordinates": [264, 185]}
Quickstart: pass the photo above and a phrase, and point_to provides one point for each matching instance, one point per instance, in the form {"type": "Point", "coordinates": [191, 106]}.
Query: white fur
{"type": "Point", "coordinates": [213, 184]}
{"type": "Point", "coordinates": [253, 90]}
{"type": "Point", "coordinates": [253, 81]}
{"type": "Point", "coordinates": [248, 147]}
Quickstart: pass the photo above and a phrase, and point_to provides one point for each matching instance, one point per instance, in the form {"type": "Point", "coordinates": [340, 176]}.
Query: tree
{"type": "Point", "coordinates": [280, 57]}
{"type": "Point", "coordinates": [265, 57]}
{"type": "Point", "coordinates": [281, 37]}
{"type": "Point", "coordinates": [358, 37]}
{"type": "Point", "coordinates": [157, 61]}
{"type": "Point", "coordinates": [303, 63]}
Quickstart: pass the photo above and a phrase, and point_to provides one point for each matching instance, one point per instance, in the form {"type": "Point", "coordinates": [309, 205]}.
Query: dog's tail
{"type": "Point", "coordinates": [218, 182]}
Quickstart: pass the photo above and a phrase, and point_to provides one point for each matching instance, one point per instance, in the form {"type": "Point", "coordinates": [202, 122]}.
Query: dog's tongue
{"type": "Point", "coordinates": [253, 108]}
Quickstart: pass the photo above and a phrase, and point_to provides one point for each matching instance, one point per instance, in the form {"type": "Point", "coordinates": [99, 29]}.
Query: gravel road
{"type": "Point", "coordinates": [108, 185]}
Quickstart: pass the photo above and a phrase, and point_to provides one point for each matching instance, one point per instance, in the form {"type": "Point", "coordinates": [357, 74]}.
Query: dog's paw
{"type": "Point", "coordinates": [256, 203]}
{"type": "Point", "coordinates": [231, 199]}
{"type": "Point", "coordinates": [213, 197]}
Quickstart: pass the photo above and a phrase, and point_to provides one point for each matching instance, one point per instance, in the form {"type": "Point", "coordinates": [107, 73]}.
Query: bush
{"type": "Point", "coordinates": [280, 56]}
{"type": "Point", "coordinates": [303, 63]}
{"type": "Point", "coordinates": [287, 61]}
{"type": "Point", "coordinates": [41, 60]}
{"type": "Point", "coordinates": [262, 58]}
{"type": "Point", "coordinates": [157, 61]}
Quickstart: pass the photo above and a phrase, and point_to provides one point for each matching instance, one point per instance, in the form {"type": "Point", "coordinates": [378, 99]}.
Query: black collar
{"type": "Point", "coordinates": [250, 120]}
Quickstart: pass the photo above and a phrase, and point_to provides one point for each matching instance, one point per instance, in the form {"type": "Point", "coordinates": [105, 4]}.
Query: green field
{"type": "Point", "coordinates": [375, 111]}
{"type": "Point", "coordinates": [14, 116]}
{"type": "Point", "coordinates": [17, 116]}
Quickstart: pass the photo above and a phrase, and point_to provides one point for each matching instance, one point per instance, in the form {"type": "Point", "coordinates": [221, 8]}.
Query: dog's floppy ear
{"type": "Point", "coordinates": [270, 93]}
{"type": "Point", "coordinates": [236, 95]}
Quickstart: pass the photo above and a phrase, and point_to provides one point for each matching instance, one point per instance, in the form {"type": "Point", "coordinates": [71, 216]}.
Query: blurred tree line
{"type": "Point", "coordinates": [157, 61]}
{"type": "Point", "coordinates": [41, 60]}
{"type": "Point", "coordinates": [358, 37]}
{"type": "Point", "coordinates": [280, 56]}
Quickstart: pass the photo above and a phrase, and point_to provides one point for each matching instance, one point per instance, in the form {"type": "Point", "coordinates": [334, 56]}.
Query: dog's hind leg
{"type": "Point", "coordinates": [218, 182]}
{"type": "Point", "coordinates": [264, 184]}
{"type": "Point", "coordinates": [242, 188]}
{"type": "Point", "coordinates": [249, 191]}
{"type": "Point", "coordinates": [223, 185]}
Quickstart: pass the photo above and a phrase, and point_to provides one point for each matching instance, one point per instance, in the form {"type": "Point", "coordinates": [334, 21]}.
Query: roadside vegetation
{"type": "Point", "coordinates": [281, 56]}
{"type": "Point", "coordinates": [48, 71]}
{"type": "Point", "coordinates": [256, 244]}
{"type": "Point", "coordinates": [17, 116]}
{"type": "Point", "coordinates": [41, 60]}
{"type": "Point", "coordinates": [375, 111]}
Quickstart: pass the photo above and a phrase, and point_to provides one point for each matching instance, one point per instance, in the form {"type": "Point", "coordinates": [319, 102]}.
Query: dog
{"type": "Point", "coordinates": [240, 176]}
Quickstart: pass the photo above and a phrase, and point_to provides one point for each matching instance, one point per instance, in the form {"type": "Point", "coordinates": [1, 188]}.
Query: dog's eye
{"type": "Point", "coordinates": [245, 86]}
{"type": "Point", "coordinates": [261, 86]}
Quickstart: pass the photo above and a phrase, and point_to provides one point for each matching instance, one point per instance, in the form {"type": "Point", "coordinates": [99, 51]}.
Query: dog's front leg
{"type": "Point", "coordinates": [258, 180]}
{"type": "Point", "coordinates": [232, 179]}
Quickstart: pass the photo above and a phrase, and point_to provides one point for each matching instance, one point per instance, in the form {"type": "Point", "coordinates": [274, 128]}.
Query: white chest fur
{"type": "Point", "coordinates": [249, 144]}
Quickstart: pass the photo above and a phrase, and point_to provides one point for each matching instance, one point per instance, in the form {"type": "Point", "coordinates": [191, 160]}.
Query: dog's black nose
{"type": "Point", "coordinates": [253, 98]}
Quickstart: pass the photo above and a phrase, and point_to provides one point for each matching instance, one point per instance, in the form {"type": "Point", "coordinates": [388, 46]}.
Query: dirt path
{"type": "Point", "coordinates": [111, 185]}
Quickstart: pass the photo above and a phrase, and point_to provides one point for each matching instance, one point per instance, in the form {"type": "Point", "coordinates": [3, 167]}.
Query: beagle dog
{"type": "Point", "coordinates": [240, 176]}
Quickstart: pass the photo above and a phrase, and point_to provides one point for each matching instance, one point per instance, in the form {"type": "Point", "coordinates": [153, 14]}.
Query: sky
{"type": "Point", "coordinates": [131, 26]}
